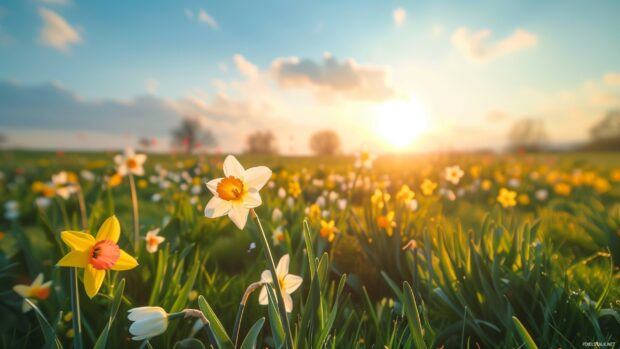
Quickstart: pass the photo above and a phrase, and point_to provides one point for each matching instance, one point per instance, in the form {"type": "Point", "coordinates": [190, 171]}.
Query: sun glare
{"type": "Point", "coordinates": [399, 123]}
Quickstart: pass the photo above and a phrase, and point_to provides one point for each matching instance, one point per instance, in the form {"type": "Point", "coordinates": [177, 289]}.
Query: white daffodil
{"type": "Point", "coordinates": [364, 158]}
{"type": "Point", "coordinates": [153, 240]}
{"type": "Point", "coordinates": [37, 290]}
{"type": "Point", "coordinates": [64, 188]}
{"type": "Point", "coordinates": [288, 283]}
{"type": "Point", "coordinates": [148, 322]}
{"type": "Point", "coordinates": [454, 174]}
{"type": "Point", "coordinates": [130, 162]}
{"type": "Point", "coordinates": [237, 192]}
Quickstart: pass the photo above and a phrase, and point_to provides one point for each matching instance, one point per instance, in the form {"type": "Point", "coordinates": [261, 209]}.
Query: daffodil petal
{"type": "Point", "coordinates": [217, 207]}
{"type": "Point", "coordinates": [22, 290]}
{"type": "Point", "coordinates": [251, 200]}
{"type": "Point", "coordinates": [266, 276]}
{"type": "Point", "coordinates": [125, 262]}
{"type": "Point", "coordinates": [109, 230]}
{"type": "Point", "coordinates": [212, 185]}
{"type": "Point", "coordinates": [282, 268]}
{"type": "Point", "coordinates": [232, 167]}
{"type": "Point", "coordinates": [93, 278]}
{"type": "Point", "coordinates": [291, 283]}
{"type": "Point", "coordinates": [257, 177]}
{"type": "Point", "coordinates": [75, 258]}
{"type": "Point", "coordinates": [239, 215]}
{"type": "Point", "coordinates": [38, 281]}
{"type": "Point", "coordinates": [140, 159]}
{"type": "Point", "coordinates": [263, 298]}
{"type": "Point", "coordinates": [288, 302]}
{"type": "Point", "coordinates": [77, 240]}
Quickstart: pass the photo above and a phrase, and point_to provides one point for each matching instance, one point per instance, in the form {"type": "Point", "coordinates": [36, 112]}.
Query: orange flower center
{"type": "Point", "coordinates": [365, 156]}
{"type": "Point", "coordinates": [230, 189]}
{"type": "Point", "coordinates": [104, 254]}
{"type": "Point", "coordinates": [40, 292]}
{"type": "Point", "coordinates": [153, 242]}
{"type": "Point", "coordinates": [383, 222]}
{"type": "Point", "coordinates": [131, 163]}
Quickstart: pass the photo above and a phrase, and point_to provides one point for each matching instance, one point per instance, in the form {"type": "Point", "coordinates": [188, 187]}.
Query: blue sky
{"type": "Point", "coordinates": [554, 60]}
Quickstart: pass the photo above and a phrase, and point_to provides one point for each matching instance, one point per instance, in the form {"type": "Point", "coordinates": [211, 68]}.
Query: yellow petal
{"type": "Point", "coordinates": [110, 230]}
{"type": "Point", "coordinates": [125, 262]}
{"type": "Point", "coordinates": [93, 278]}
{"type": "Point", "coordinates": [22, 290]}
{"type": "Point", "coordinates": [78, 259]}
{"type": "Point", "coordinates": [77, 240]}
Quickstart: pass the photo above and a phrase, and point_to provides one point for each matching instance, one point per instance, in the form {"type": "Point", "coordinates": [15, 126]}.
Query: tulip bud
{"type": "Point", "coordinates": [148, 322]}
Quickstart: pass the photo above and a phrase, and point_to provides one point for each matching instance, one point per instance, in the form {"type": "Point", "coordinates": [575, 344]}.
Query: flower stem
{"type": "Point", "coordinates": [75, 308]}
{"type": "Point", "coordinates": [136, 217]}
{"type": "Point", "coordinates": [274, 276]}
{"type": "Point", "coordinates": [82, 203]}
{"type": "Point", "coordinates": [246, 295]}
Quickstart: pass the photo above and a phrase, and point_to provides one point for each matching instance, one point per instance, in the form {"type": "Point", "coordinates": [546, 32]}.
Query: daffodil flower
{"type": "Point", "coordinates": [37, 290]}
{"type": "Point", "coordinates": [64, 188]}
{"type": "Point", "coordinates": [130, 162]}
{"type": "Point", "coordinates": [454, 174]}
{"type": "Point", "coordinates": [96, 254]}
{"type": "Point", "coordinates": [288, 283]}
{"type": "Point", "coordinates": [148, 322]}
{"type": "Point", "coordinates": [237, 192]}
{"type": "Point", "coordinates": [153, 240]}
{"type": "Point", "coordinates": [364, 159]}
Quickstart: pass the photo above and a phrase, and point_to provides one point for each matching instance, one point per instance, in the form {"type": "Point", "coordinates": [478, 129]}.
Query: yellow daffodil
{"type": "Point", "coordinates": [486, 184]}
{"type": "Point", "coordinates": [563, 189]}
{"type": "Point", "coordinates": [475, 171]}
{"type": "Point", "coordinates": [153, 240]}
{"type": "Point", "coordinates": [38, 290]}
{"type": "Point", "coordinates": [379, 198]}
{"type": "Point", "coordinates": [328, 230]}
{"type": "Point", "coordinates": [523, 199]}
{"type": "Point", "coordinates": [288, 283]}
{"type": "Point", "coordinates": [130, 162]}
{"type": "Point", "coordinates": [428, 187]}
{"type": "Point", "coordinates": [601, 185]}
{"type": "Point", "coordinates": [615, 175]}
{"type": "Point", "coordinates": [294, 189]}
{"type": "Point", "coordinates": [96, 254]}
{"type": "Point", "coordinates": [115, 180]}
{"type": "Point", "coordinates": [314, 212]}
{"type": "Point", "coordinates": [507, 198]}
{"type": "Point", "coordinates": [405, 194]}
{"type": "Point", "coordinates": [387, 222]}
{"type": "Point", "coordinates": [237, 192]}
{"type": "Point", "coordinates": [453, 174]}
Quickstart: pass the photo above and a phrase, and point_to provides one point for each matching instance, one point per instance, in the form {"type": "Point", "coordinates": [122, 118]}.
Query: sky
{"type": "Point", "coordinates": [397, 76]}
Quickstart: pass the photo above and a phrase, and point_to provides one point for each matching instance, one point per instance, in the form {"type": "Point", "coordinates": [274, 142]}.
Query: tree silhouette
{"type": "Point", "coordinates": [261, 142]}
{"type": "Point", "coordinates": [605, 135]}
{"type": "Point", "coordinates": [527, 135]}
{"type": "Point", "coordinates": [325, 142]}
{"type": "Point", "coordinates": [191, 136]}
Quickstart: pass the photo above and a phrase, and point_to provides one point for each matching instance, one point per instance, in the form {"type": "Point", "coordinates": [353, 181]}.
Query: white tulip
{"type": "Point", "coordinates": [148, 322]}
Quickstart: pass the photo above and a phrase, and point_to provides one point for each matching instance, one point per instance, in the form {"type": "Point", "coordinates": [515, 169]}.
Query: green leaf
{"type": "Point", "coordinates": [116, 302]}
{"type": "Point", "coordinates": [413, 317]}
{"type": "Point", "coordinates": [250, 339]}
{"type": "Point", "coordinates": [274, 318]}
{"type": "Point", "coordinates": [51, 341]}
{"type": "Point", "coordinates": [218, 330]}
{"type": "Point", "coordinates": [525, 336]}
{"type": "Point", "coordinates": [189, 343]}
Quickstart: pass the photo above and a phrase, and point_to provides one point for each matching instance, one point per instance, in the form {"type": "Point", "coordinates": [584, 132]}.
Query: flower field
{"type": "Point", "coordinates": [115, 250]}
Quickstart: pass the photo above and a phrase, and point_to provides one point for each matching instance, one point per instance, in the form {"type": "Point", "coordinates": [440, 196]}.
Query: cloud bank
{"type": "Point", "coordinates": [475, 45]}
{"type": "Point", "coordinates": [57, 33]}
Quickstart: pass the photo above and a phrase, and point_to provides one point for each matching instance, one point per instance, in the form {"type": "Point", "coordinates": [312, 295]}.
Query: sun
{"type": "Point", "coordinates": [400, 122]}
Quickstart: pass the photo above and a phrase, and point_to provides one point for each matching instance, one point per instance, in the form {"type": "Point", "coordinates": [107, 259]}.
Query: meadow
{"type": "Point", "coordinates": [115, 250]}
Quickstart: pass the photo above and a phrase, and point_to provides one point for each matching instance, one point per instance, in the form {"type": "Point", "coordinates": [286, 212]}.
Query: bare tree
{"type": "Point", "coordinates": [191, 136]}
{"type": "Point", "coordinates": [261, 142]}
{"type": "Point", "coordinates": [325, 142]}
{"type": "Point", "coordinates": [528, 135]}
{"type": "Point", "coordinates": [605, 135]}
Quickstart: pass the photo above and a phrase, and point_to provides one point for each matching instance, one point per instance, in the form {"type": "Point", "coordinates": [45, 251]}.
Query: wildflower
{"type": "Point", "coordinates": [148, 322]}
{"type": "Point", "coordinates": [130, 162]}
{"type": "Point", "coordinates": [96, 254]}
{"type": "Point", "coordinates": [379, 198]}
{"type": "Point", "coordinates": [413, 205]}
{"type": "Point", "coordinates": [153, 240]}
{"type": "Point", "coordinates": [364, 159]}
{"type": "Point", "coordinates": [541, 194]}
{"type": "Point", "coordinates": [475, 171]}
{"type": "Point", "coordinates": [601, 185]}
{"type": "Point", "coordinates": [87, 175]}
{"type": "Point", "coordinates": [115, 180]}
{"type": "Point", "coordinates": [615, 175]}
{"type": "Point", "coordinates": [11, 210]}
{"type": "Point", "coordinates": [63, 184]}
{"type": "Point", "coordinates": [278, 235]}
{"type": "Point", "coordinates": [563, 189]}
{"type": "Point", "coordinates": [34, 291]}
{"type": "Point", "coordinates": [288, 283]}
{"type": "Point", "coordinates": [486, 184]}
{"type": "Point", "coordinates": [342, 204]}
{"type": "Point", "coordinates": [42, 202]}
{"type": "Point", "coordinates": [405, 194]}
{"type": "Point", "coordinates": [237, 192]}
{"type": "Point", "coordinates": [428, 187]}
{"type": "Point", "coordinates": [193, 295]}
{"type": "Point", "coordinates": [411, 245]}
{"type": "Point", "coordinates": [454, 174]}
{"type": "Point", "coordinates": [281, 193]}
{"type": "Point", "coordinates": [387, 222]}
{"type": "Point", "coordinates": [328, 230]}
{"type": "Point", "coordinates": [507, 198]}
{"type": "Point", "coordinates": [314, 212]}
{"type": "Point", "coordinates": [276, 215]}
{"type": "Point", "coordinates": [294, 188]}
{"type": "Point", "coordinates": [523, 199]}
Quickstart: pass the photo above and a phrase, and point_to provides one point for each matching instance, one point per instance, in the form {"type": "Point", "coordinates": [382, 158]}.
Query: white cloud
{"type": "Point", "coordinates": [204, 17]}
{"type": "Point", "coordinates": [245, 67]}
{"type": "Point", "coordinates": [400, 16]}
{"type": "Point", "coordinates": [152, 85]}
{"type": "Point", "coordinates": [476, 47]}
{"type": "Point", "coordinates": [57, 33]}
{"type": "Point", "coordinates": [331, 77]}
{"type": "Point", "coordinates": [612, 79]}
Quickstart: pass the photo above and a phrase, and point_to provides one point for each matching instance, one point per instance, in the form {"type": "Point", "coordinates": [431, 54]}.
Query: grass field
{"type": "Point", "coordinates": [426, 251]}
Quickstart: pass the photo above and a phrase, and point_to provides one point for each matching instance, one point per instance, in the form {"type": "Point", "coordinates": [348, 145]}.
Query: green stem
{"type": "Point", "coordinates": [274, 277]}
{"type": "Point", "coordinates": [82, 204]}
{"type": "Point", "coordinates": [63, 211]}
{"type": "Point", "coordinates": [136, 217]}
{"type": "Point", "coordinates": [246, 295]}
{"type": "Point", "coordinates": [75, 308]}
